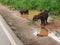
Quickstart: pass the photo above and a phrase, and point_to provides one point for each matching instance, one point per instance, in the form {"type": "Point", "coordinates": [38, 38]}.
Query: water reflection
{"type": "Point", "coordinates": [42, 33]}
{"type": "Point", "coordinates": [54, 36]}
{"type": "Point", "coordinates": [36, 31]}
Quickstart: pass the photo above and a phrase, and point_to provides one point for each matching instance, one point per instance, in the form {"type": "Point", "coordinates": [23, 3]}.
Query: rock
{"type": "Point", "coordinates": [50, 19]}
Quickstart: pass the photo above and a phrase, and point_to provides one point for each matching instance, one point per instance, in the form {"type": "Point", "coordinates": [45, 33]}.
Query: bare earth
{"type": "Point", "coordinates": [26, 32]}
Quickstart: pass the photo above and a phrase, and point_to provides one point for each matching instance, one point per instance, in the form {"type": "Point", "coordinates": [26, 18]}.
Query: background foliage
{"type": "Point", "coordinates": [52, 5]}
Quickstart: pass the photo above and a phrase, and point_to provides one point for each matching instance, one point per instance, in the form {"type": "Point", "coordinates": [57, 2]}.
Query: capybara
{"type": "Point", "coordinates": [43, 16]}
{"type": "Point", "coordinates": [24, 12]}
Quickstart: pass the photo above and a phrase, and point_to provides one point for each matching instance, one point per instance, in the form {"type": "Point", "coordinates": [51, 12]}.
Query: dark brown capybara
{"type": "Point", "coordinates": [24, 12]}
{"type": "Point", "coordinates": [43, 16]}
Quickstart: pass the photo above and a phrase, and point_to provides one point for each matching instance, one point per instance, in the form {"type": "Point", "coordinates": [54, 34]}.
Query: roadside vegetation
{"type": "Point", "coordinates": [52, 5]}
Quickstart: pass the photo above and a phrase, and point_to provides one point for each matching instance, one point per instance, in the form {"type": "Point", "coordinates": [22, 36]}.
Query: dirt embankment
{"type": "Point", "coordinates": [18, 24]}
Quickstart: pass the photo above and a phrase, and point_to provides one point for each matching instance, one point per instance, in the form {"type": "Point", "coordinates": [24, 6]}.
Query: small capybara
{"type": "Point", "coordinates": [43, 16]}
{"type": "Point", "coordinates": [24, 12]}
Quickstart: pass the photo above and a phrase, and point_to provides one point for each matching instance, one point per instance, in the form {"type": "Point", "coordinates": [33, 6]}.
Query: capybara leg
{"type": "Point", "coordinates": [46, 21]}
{"type": "Point", "coordinates": [42, 22]}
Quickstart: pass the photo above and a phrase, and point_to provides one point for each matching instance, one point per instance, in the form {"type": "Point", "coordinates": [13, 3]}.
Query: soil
{"type": "Point", "coordinates": [54, 25]}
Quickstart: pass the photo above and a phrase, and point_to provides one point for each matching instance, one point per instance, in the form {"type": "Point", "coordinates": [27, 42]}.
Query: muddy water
{"type": "Point", "coordinates": [43, 32]}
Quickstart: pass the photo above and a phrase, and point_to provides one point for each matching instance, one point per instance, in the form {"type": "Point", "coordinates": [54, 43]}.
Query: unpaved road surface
{"type": "Point", "coordinates": [24, 31]}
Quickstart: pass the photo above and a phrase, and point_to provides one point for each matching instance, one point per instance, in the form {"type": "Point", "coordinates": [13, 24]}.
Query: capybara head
{"type": "Point", "coordinates": [35, 18]}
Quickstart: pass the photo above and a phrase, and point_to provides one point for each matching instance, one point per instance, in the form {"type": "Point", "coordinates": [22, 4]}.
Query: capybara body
{"type": "Point", "coordinates": [43, 16]}
{"type": "Point", "coordinates": [24, 12]}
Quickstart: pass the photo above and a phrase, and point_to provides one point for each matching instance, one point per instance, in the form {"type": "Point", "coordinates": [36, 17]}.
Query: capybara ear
{"type": "Point", "coordinates": [34, 19]}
